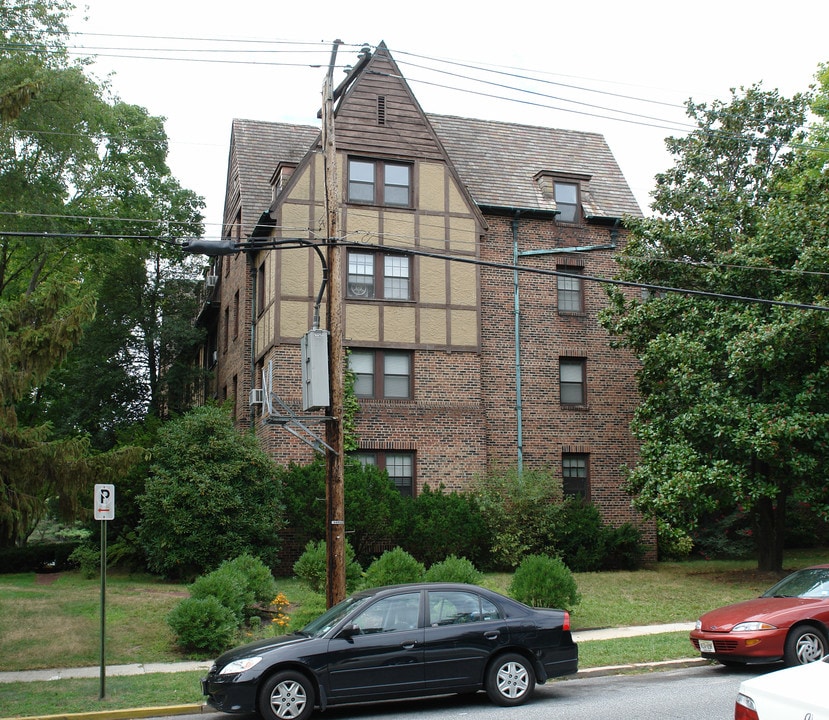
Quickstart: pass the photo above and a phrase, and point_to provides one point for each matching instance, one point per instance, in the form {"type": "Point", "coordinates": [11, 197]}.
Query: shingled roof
{"type": "Point", "coordinates": [498, 162]}
{"type": "Point", "coordinates": [259, 147]}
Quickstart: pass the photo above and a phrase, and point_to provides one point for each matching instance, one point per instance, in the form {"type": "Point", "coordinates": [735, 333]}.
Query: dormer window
{"type": "Point", "coordinates": [562, 190]}
{"type": "Point", "coordinates": [567, 201]}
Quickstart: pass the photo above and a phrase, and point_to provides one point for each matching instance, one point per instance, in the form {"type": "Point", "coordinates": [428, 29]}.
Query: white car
{"type": "Point", "coordinates": [796, 693]}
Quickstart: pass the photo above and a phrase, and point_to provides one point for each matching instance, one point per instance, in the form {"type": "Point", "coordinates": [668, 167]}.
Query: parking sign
{"type": "Point", "coordinates": [105, 502]}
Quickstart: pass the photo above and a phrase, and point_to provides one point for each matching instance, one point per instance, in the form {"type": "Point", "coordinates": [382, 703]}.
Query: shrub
{"type": "Point", "coordinates": [227, 585]}
{"type": "Point", "coordinates": [88, 559]}
{"type": "Point", "coordinates": [578, 534]}
{"type": "Point", "coordinates": [373, 506]}
{"type": "Point", "coordinates": [624, 549]}
{"type": "Point", "coordinates": [442, 523]}
{"type": "Point", "coordinates": [258, 578]}
{"type": "Point", "coordinates": [49, 557]}
{"type": "Point", "coordinates": [392, 568]}
{"type": "Point", "coordinates": [520, 510]}
{"type": "Point", "coordinates": [312, 566]}
{"type": "Point", "coordinates": [238, 584]}
{"type": "Point", "coordinates": [203, 624]}
{"type": "Point", "coordinates": [211, 495]}
{"type": "Point", "coordinates": [544, 581]}
{"type": "Point", "coordinates": [454, 569]}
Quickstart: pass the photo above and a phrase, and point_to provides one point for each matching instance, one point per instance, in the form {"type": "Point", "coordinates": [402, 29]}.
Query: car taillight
{"type": "Point", "coordinates": [566, 626]}
{"type": "Point", "coordinates": [745, 709]}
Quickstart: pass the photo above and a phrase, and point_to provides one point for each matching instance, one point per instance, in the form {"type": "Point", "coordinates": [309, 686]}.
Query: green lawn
{"type": "Point", "coordinates": [54, 621]}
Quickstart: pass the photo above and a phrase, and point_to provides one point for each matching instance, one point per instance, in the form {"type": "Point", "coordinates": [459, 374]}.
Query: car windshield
{"type": "Point", "coordinates": [809, 583]}
{"type": "Point", "coordinates": [331, 617]}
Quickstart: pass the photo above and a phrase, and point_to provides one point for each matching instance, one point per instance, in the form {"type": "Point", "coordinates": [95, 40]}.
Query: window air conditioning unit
{"type": "Point", "coordinates": [210, 281]}
{"type": "Point", "coordinates": [257, 396]}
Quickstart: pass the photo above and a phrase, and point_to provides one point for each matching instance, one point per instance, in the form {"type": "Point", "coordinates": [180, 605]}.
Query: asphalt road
{"type": "Point", "coordinates": [683, 694]}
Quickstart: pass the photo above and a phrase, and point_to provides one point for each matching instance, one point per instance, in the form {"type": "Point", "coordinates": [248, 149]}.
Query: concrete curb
{"type": "Point", "coordinates": [125, 714]}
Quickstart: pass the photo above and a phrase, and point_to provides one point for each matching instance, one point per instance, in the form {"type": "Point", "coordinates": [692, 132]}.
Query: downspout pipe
{"type": "Point", "coordinates": [519, 406]}
{"type": "Point", "coordinates": [253, 310]}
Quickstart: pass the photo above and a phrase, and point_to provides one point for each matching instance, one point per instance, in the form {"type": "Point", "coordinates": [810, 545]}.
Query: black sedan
{"type": "Point", "coordinates": [397, 642]}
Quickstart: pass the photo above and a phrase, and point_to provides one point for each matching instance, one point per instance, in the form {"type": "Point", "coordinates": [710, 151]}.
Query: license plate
{"type": "Point", "coordinates": [706, 646]}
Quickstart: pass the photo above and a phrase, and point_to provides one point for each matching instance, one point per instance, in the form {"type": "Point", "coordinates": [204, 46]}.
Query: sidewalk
{"type": "Point", "coordinates": [579, 636]}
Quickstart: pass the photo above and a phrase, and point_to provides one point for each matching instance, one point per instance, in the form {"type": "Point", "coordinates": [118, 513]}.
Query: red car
{"type": "Point", "coordinates": [788, 622]}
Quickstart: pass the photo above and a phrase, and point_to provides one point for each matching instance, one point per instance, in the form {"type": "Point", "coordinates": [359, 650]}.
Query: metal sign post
{"type": "Point", "coordinates": [104, 504]}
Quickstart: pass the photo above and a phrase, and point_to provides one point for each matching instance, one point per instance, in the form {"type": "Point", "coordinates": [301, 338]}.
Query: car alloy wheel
{"type": "Point", "coordinates": [510, 680]}
{"type": "Point", "coordinates": [805, 644]}
{"type": "Point", "coordinates": [286, 696]}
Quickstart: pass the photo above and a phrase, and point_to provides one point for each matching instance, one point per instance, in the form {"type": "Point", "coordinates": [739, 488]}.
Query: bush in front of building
{"type": "Point", "coordinates": [544, 581]}
{"type": "Point", "coordinates": [454, 569]}
{"type": "Point", "coordinates": [520, 509]}
{"type": "Point", "coordinates": [220, 602]}
{"type": "Point", "coordinates": [393, 567]}
{"type": "Point", "coordinates": [212, 494]}
{"type": "Point", "coordinates": [373, 506]}
{"type": "Point", "coordinates": [203, 625]}
{"type": "Point", "coordinates": [585, 544]}
{"type": "Point", "coordinates": [440, 524]}
{"type": "Point", "coordinates": [312, 566]}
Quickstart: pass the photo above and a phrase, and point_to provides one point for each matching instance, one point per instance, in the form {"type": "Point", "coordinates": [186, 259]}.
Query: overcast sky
{"type": "Point", "coordinates": [622, 69]}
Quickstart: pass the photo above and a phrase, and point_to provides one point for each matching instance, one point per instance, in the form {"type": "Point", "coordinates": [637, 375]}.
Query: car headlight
{"type": "Point", "coordinates": [752, 627]}
{"type": "Point", "coordinates": [238, 666]}
{"type": "Point", "coordinates": [698, 625]}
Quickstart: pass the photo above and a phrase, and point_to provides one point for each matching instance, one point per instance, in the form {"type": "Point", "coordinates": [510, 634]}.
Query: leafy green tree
{"type": "Point", "coordinates": [734, 393]}
{"type": "Point", "coordinates": [212, 495]}
{"type": "Point", "coordinates": [82, 174]}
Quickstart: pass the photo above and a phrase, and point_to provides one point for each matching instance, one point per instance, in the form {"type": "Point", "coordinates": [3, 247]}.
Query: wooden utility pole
{"type": "Point", "coordinates": [334, 495]}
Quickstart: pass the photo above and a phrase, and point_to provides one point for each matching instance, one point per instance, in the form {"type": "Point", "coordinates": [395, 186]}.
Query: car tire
{"type": "Point", "coordinates": [288, 695]}
{"type": "Point", "coordinates": [804, 644]}
{"type": "Point", "coordinates": [510, 680]}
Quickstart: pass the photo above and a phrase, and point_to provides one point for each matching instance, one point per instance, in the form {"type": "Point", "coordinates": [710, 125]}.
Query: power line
{"type": "Point", "coordinates": [460, 259]}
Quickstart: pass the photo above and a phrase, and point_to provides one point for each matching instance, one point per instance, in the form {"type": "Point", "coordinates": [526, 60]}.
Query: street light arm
{"type": "Point", "coordinates": [211, 248]}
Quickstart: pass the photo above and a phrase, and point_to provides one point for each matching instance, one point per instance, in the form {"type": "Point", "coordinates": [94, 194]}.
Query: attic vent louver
{"type": "Point", "coordinates": [381, 109]}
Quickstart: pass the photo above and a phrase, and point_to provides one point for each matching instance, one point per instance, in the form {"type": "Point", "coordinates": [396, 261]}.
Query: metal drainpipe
{"type": "Point", "coordinates": [519, 410]}
{"type": "Point", "coordinates": [252, 270]}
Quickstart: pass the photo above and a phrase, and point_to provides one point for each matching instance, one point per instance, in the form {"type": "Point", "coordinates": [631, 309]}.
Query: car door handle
{"type": "Point", "coordinates": [492, 635]}
{"type": "Point", "coordinates": [409, 644]}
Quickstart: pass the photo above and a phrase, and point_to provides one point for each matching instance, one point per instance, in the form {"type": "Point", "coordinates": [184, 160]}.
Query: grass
{"type": "Point", "coordinates": [54, 621]}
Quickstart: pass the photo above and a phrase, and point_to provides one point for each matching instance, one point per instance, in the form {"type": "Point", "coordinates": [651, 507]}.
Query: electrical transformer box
{"type": "Point", "coordinates": [315, 393]}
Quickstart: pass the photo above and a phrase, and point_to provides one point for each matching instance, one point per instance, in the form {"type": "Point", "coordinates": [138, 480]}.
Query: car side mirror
{"type": "Point", "coordinates": [348, 632]}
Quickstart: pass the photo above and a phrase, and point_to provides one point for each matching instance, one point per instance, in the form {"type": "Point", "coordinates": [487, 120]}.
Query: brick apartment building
{"type": "Point", "coordinates": [461, 361]}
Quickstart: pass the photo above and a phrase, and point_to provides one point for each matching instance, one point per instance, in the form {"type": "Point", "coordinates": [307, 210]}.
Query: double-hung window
{"type": "Point", "coordinates": [381, 374]}
{"type": "Point", "coordinates": [572, 381]}
{"type": "Point", "coordinates": [382, 276]}
{"type": "Point", "coordinates": [379, 182]}
{"type": "Point", "coordinates": [570, 290]}
{"type": "Point", "coordinates": [574, 473]}
{"type": "Point", "coordinates": [567, 201]}
{"type": "Point", "coordinates": [400, 467]}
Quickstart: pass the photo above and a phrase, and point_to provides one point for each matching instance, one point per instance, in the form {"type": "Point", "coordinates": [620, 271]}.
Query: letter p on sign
{"type": "Point", "coordinates": [105, 502]}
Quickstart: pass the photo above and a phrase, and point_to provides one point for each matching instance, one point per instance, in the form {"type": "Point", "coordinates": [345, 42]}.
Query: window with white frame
{"type": "Point", "coordinates": [379, 182]}
{"type": "Point", "coordinates": [378, 276]}
{"type": "Point", "coordinates": [381, 374]}
{"type": "Point", "coordinates": [570, 290]}
{"type": "Point", "coordinates": [572, 381]}
{"type": "Point", "coordinates": [567, 201]}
